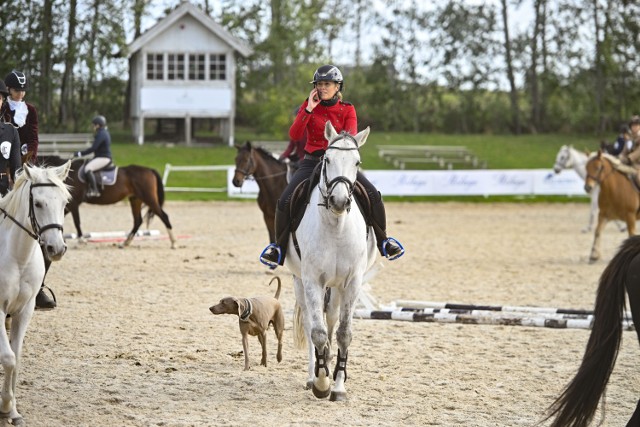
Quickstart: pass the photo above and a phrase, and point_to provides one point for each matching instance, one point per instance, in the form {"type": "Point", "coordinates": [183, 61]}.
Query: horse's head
{"type": "Point", "coordinates": [245, 165]}
{"type": "Point", "coordinates": [563, 159]}
{"type": "Point", "coordinates": [48, 196]}
{"type": "Point", "coordinates": [597, 170]}
{"type": "Point", "coordinates": [340, 168]}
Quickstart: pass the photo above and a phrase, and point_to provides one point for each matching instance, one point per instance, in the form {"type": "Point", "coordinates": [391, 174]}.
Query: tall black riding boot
{"type": "Point", "coordinates": [92, 191]}
{"type": "Point", "coordinates": [273, 255]}
{"type": "Point", "coordinates": [388, 246]}
{"type": "Point", "coordinates": [43, 302]}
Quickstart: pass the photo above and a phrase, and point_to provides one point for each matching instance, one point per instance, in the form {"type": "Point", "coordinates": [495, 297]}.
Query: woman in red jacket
{"type": "Point", "coordinates": [325, 104]}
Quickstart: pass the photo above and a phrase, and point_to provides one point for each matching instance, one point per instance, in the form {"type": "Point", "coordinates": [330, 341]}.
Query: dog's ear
{"type": "Point", "coordinates": [242, 306]}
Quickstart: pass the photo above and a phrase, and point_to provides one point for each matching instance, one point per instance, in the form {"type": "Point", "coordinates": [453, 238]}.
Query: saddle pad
{"type": "Point", "coordinates": [103, 176]}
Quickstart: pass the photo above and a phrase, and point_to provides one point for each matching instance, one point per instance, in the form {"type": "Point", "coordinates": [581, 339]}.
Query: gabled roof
{"type": "Point", "coordinates": [187, 8]}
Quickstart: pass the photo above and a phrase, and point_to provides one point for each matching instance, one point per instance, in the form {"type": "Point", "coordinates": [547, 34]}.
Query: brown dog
{"type": "Point", "coordinates": [255, 316]}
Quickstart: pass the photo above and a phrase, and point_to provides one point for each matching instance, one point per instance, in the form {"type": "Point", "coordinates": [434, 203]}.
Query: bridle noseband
{"type": "Point", "coordinates": [330, 185]}
{"type": "Point", "coordinates": [36, 231]}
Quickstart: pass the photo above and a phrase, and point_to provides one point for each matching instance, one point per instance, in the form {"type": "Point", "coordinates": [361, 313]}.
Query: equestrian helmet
{"type": "Point", "coordinates": [16, 80]}
{"type": "Point", "coordinates": [3, 89]}
{"type": "Point", "coordinates": [100, 121]}
{"type": "Point", "coordinates": [328, 73]}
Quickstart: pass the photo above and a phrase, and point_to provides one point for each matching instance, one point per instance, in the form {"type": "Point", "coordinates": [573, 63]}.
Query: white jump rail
{"type": "Point", "coordinates": [443, 156]}
{"type": "Point", "coordinates": [63, 143]}
{"type": "Point", "coordinates": [168, 168]}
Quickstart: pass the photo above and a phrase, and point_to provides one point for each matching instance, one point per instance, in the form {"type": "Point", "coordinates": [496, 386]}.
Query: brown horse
{"type": "Point", "coordinates": [577, 404]}
{"type": "Point", "coordinates": [618, 199]}
{"type": "Point", "coordinates": [270, 175]}
{"type": "Point", "coordinates": [140, 184]}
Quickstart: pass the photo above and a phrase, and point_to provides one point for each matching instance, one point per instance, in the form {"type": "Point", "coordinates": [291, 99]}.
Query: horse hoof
{"type": "Point", "coordinates": [19, 421]}
{"type": "Point", "coordinates": [338, 396]}
{"type": "Point", "coordinates": [320, 394]}
{"type": "Point", "coordinates": [309, 385]}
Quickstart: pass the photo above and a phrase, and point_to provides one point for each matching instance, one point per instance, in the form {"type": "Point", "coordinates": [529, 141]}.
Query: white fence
{"type": "Point", "coordinates": [525, 182]}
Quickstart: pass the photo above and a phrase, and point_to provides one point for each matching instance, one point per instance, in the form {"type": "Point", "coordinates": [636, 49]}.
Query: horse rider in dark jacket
{"type": "Point", "coordinates": [101, 148]}
{"type": "Point", "coordinates": [10, 159]}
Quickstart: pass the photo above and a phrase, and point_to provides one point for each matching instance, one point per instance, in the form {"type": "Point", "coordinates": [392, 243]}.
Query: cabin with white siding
{"type": "Point", "coordinates": [183, 69]}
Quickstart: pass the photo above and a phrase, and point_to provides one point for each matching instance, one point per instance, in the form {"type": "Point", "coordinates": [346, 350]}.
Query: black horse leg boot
{"type": "Point", "coordinates": [389, 247]}
{"type": "Point", "coordinates": [93, 186]}
{"type": "Point", "coordinates": [273, 255]}
{"type": "Point", "coordinates": [43, 302]}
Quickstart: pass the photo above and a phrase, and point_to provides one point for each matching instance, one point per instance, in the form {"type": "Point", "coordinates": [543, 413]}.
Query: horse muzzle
{"type": "Point", "coordinates": [588, 188]}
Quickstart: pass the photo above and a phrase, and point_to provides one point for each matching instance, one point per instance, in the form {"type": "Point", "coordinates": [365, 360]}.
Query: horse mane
{"type": "Point", "coordinates": [12, 202]}
{"type": "Point", "coordinates": [268, 155]}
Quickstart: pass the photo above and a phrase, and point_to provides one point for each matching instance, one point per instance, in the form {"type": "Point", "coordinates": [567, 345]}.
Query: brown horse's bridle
{"type": "Point", "coordinates": [250, 168]}
{"type": "Point", "coordinates": [598, 178]}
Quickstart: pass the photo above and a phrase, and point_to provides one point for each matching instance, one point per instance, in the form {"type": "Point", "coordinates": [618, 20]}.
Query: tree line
{"type": "Point", "coordinates": [454, 67]}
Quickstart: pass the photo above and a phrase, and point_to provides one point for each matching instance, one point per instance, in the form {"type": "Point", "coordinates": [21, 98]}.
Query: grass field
{"type": "Point", "coordinates": [498, 151]}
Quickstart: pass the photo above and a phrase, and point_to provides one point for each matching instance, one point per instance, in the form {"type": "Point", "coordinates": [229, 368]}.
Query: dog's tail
{"type": "Point", "coordinates": [299, 337]}
{"type": "Point", "coordinates": [277, 295]}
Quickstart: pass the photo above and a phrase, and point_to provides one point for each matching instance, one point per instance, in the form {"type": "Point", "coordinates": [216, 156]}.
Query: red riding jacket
{"type": "Point", "coordinates": [342, 116]}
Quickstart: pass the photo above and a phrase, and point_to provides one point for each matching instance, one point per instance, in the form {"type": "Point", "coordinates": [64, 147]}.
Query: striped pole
{"type": "Point", "coordinates": [109, 234]}
{"type": "Point", "coordinates": [525, 319]}
{"type": "Point", "coordinates": [431, 304]}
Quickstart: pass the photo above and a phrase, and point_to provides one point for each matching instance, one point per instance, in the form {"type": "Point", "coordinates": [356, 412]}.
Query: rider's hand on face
{"type": "Point", "coordinates": [314, 99]}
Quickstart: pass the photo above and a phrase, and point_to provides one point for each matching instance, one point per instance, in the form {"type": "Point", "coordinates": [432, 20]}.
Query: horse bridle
{"type": "Point", "coordinates": [330, 185]}
{"type": "Point", "coordinates": [600, 170]}
{"type": "Point", "coordinates": [36, 231]}
{"type": "Point", "coordinates": [250, 168]}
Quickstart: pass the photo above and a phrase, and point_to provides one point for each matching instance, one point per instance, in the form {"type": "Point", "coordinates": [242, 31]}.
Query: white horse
{"type": "Point", "coordinates": [31, 215]}
{"type": "Point", "coordinates": [570, 158]}
{"type": "Point", "coordinates": [336, 250]}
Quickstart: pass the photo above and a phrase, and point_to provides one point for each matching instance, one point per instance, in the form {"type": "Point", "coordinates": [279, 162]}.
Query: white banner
{"type": "Point", "coordinates": [458, 183]}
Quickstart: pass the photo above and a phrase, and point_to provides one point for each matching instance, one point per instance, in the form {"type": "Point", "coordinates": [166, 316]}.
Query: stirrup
{"type": "Point", "coordinates": [384, 248]}
{"type": "Point", "coordinates": [266, 261]}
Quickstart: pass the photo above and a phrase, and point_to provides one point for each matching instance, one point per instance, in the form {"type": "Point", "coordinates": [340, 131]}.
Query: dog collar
{"type": "Point", "coordinates": [247, 311]}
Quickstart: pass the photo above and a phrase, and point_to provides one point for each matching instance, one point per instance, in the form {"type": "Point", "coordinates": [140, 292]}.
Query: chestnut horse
{"type": "Point", "coordinates": [141, 185]}
{"type": "Point", "coordinates": [618, 198]}
{"type": "Point", "coordinates": [269, 173]}
{"type": "Point", "coordinates": [577, 404]}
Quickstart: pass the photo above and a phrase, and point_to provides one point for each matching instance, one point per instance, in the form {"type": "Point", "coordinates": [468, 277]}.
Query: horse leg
{"type": "Point", "coordinates": [343, 338]}
{"type": "Point", "coordinates": [332, 312]}
{"type": "Point", "coordinates": [164, 217]}
{"type": "Point", "coordinates": [136, 211]}
{"type": "Point", "coordinates": [593, 211]}
{"type": "Point", "coordinates": [300, 321]}
{"type": "Point", "coordinates": [75, 214]}
{"type": "Point", "coordinates": [595, 249]}
{"type": "Point", "coordinates": [314, 299]}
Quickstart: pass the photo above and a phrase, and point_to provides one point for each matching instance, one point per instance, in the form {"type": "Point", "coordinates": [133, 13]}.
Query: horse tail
{"type": "Point", "coordinates": [299, 337]}
{"type": "Point", "coordinates": [159, 193]}
{"type": "Point", "coordinates": [579, 400]}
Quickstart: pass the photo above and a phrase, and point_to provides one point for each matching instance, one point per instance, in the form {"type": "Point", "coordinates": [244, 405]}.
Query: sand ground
{"type": "Point", "coordinates": [133, 343]}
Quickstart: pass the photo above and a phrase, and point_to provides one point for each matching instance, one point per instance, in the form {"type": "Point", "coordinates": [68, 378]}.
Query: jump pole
{"type": "Point", "coordinates": [493, 319]}
{"type": "Point", "coordinates": [109, 234]}
{"type": "Point", "coordinates": [492, 313]}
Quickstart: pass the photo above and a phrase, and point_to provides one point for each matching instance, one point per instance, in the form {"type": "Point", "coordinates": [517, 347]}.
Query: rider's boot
{"type": "Point", "coordinates": [92, 191]}
{"type": "Point", "coordinates": [389, 247]}
{"type": "Point", "coordinates": [43, 301]}
{"type": "Point", "coordinates": [273, 255]}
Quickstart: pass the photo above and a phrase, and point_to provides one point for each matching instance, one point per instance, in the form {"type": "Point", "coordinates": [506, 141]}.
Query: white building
{"type": "Point", "coordinates": [183, 69]}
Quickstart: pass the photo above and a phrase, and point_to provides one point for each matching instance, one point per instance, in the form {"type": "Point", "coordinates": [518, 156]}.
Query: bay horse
{"type": "Point", "coordinates": [335, 251]}
{"type": "Point", "coordinates": [618, 198]}
{"type": "Point", "coordinates": [31, 215]}
{"type": "Point", "coordinates": [579, 400]}
{"type": "Point", "coordinates": [269, 173]}
{"type": "Point", "coordinates": [140, 184]}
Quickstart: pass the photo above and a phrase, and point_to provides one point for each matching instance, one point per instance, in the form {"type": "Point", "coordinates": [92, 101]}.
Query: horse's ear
{"type": "Point", "coordinates": [27, 171]}
{"type": "Point", "coordinates": [63, 171]}
{"type": "Point", "coordinates": [329, 131]}
{"type": "Point", "coordinates": [362, 136]}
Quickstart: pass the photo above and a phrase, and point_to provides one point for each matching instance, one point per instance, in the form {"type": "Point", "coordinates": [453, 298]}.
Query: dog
{"type": "Point", "coordinates": [255, 315]}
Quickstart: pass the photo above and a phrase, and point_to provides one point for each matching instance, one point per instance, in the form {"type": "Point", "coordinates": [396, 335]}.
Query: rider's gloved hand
{"type": "Point", "coordinates": [77, 154]}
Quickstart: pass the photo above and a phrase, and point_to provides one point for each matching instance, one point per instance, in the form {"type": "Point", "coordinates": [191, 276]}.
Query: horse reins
{"type": "Point", "coordinates": [330, 185]}
{"type": "Point", "coordinates": [37, 230]}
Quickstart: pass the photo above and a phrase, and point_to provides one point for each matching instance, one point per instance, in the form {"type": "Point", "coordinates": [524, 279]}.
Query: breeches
{"type": "Point", "coordinates": [96, 163]}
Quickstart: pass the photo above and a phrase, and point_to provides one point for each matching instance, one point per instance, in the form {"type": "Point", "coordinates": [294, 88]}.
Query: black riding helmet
{"type": "Point", "coordinates": [100, 121]}
{"type": "Point", "coordinates": [328, 73]}
{"type": "Point", "coordinates": [16, 80]}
